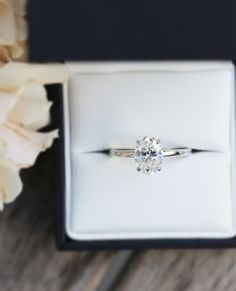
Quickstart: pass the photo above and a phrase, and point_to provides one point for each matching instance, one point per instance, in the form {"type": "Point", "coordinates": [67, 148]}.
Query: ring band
{"type": "Point", "coordinates": [148, 154]}
{"type": "Point", "coordinates": [171, 152]}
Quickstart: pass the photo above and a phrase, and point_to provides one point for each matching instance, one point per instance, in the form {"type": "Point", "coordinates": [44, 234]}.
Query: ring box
{"type": "Point", "coordinates": [160, 36]}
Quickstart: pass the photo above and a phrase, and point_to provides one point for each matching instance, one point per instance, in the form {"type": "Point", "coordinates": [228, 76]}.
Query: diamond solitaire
{"type": "Point", "coordinates": [148, 154]}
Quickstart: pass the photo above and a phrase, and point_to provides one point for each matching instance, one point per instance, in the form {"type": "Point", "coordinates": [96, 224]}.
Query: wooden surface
{"type": "Point", "coordinates": [29, 260]}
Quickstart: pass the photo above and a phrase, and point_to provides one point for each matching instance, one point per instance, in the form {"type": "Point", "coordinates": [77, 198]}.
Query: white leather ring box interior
{"type": "Point", "coordinates": [188, 104]}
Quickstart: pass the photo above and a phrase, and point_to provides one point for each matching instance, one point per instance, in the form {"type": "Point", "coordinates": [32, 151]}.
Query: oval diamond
{"type": "Point", "coordinates": [148, 155]}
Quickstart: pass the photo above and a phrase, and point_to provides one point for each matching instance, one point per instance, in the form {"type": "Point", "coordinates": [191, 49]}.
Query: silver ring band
{"type": "Point", "coordinates": [167, 152]}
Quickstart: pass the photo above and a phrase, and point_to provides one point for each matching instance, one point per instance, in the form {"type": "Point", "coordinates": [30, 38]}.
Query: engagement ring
{"type": "Point", "coordinates": [148, 154]}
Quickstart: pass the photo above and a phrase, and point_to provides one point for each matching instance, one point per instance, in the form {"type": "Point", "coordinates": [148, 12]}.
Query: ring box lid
{"type": "Point", "coordinates": [131, 30]}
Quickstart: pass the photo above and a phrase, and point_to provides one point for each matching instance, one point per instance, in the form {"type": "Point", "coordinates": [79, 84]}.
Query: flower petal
{"type": "Point", "coordinates": [43, 139]}
{"type": "Point", "coordinates": [21, 28]}
{"type": "Point", "coordinates": [4, 54]}
{"type": "Point", "coordinates": [23, 146]}
{"type": "Point", "coordinates": [16, 51]}
{"type": "Point", "coordinates": [15, 74]}
{"type": "Point", "coordinates": [19, 6]}
{"type": "Point", "coordinates": [32, 108]}
{"type": "Point", "coordinates": [10, 183]}
{"type": "Point", "coordinates": [7, 102]}
{"type": "Point", "coordinates": [7, 24]}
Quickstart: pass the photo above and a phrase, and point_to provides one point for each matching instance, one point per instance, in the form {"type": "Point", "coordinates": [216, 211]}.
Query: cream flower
{"type": "Point", "coordinates": [24, 97]}
{"type": "Point", "coordinates": [24, 109]}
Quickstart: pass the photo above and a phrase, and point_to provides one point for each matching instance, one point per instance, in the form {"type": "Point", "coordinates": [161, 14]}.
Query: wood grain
{"type": "Point", "coordinates": [28, 257]}
{"type": "Point", "coordinates": [182, 270]}
{"type": "Point", "coordinates": [29, 260]}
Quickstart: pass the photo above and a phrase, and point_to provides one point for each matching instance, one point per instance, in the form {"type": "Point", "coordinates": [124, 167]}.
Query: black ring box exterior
{"type": "Point", "coordinates": [91, 30]}
{"type": "Point", "coordinates": [125, 30]}
{"type": "Point", "coordinates": [64, 242]}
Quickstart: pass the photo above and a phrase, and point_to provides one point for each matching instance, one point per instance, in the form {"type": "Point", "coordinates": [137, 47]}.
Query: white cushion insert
{"type": "Point", "coordinates": [180, 103]}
